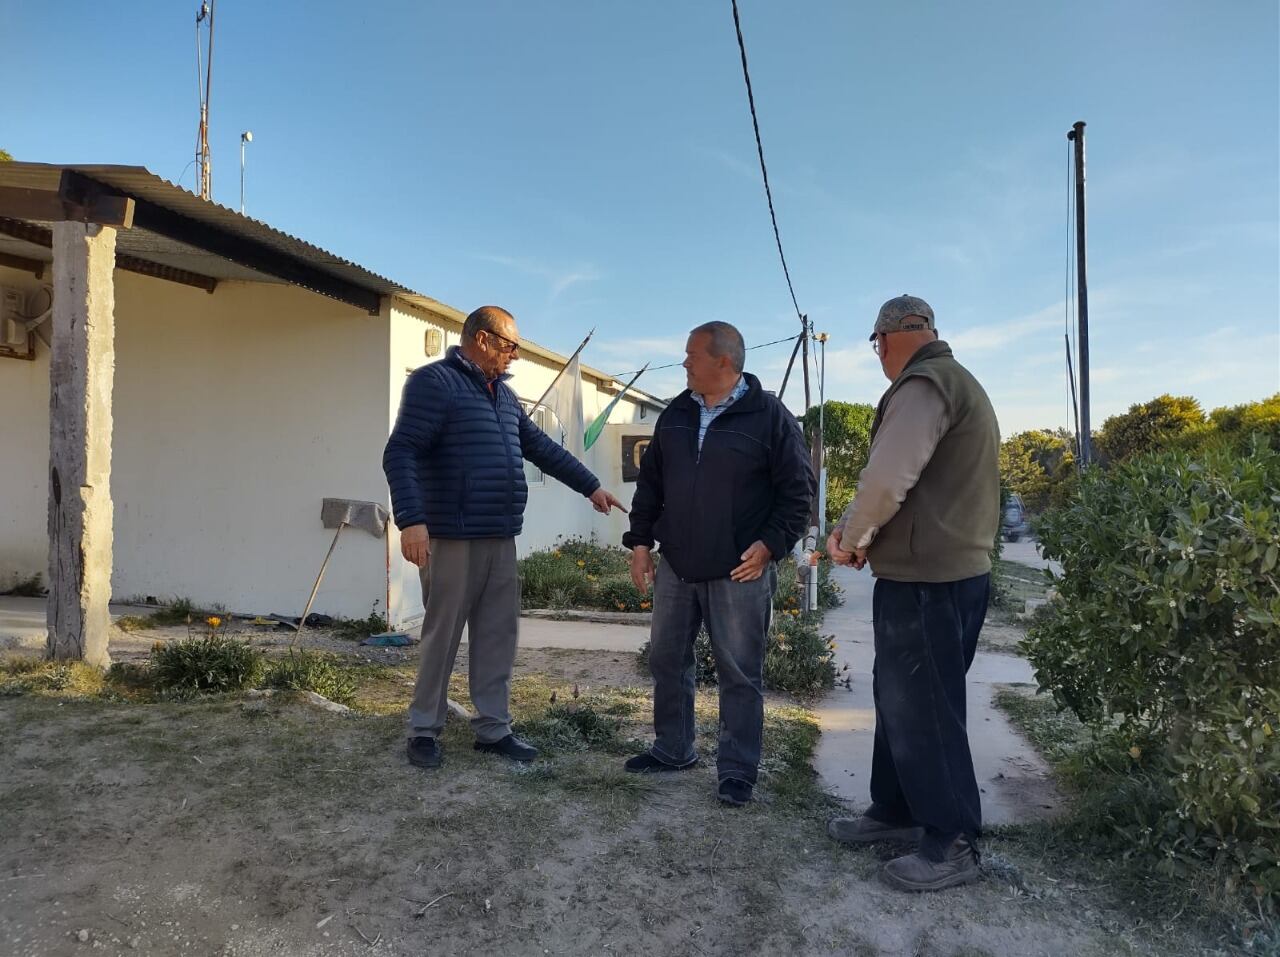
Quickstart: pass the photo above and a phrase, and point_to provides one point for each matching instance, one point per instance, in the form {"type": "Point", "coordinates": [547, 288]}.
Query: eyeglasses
{"type": "Point", "coordinates": [512, 346]}
{"type": "Point", "coordinates": [875, 344]}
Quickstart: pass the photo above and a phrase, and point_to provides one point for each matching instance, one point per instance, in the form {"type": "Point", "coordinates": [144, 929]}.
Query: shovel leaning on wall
{"type": "Point", "coordinates": [339, 513]}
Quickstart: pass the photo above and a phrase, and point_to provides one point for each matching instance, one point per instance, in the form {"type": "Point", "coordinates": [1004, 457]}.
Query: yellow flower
{"type": "Point", "coordinates": [1135, 752]}
{"type": "Point", "coordinates": [556, 553]}
{"type": "Point", "coordinates": [581, 563]}
{"type": "Point", "coordinates": [645, 604]}
{"type": "Point", "coordinates": [1266, 729]}
{"type": "Point", "coordinates": [213, 621]}
{"type": "Point", "coordinates": [591, 577]}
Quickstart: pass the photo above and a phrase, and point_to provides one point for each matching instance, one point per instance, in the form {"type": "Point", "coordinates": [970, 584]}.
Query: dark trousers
{"type": "Point", "coordinates": [737, 616]}
{"type": "Point", "coordinates": [921, 768]}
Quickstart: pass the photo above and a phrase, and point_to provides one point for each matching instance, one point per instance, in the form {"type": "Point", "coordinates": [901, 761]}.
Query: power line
{"type": "Point", "coordinates": [672, 365]}
{"type": "Point", "coordinates": [764, 172]}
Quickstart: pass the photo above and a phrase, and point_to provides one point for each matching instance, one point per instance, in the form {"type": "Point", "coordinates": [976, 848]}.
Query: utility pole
{"type": "Point", "coordinates": [821, 339]}
{"type": "Point", "coordinates": [1076, 135]}
{"type": "Point", "coordinates": [202, 148]}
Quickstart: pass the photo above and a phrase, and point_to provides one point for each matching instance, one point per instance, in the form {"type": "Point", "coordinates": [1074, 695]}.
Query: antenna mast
{"type": "Point", "coordinates": [202, 143]}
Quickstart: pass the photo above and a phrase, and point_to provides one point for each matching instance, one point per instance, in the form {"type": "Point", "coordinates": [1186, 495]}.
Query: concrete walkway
{"type": "Point", "coordinates": [1012, 777]}
{"type": "Point", "coordinates": [22, 625]}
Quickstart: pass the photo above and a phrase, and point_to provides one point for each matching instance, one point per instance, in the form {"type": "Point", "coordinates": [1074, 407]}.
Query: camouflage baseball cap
{"type": "Point", "coordinates": [903, 314]}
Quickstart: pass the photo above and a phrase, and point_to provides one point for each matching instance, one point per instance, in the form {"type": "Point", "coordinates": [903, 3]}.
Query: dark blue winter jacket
{"type": "Point", "coordinates": [751, 481]}
{"type": "Point", "coordinates": [455, 459]}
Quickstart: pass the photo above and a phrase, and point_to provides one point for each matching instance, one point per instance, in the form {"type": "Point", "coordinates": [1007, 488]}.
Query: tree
{"type": "Point", "coordinates": [1148, 426]}
{"type": "Point", "coordinates": [1031, 464]}
{"type": "Point", "coordinates": [847, 437]}
{"type": "Point", "coordinates": [5, 157]}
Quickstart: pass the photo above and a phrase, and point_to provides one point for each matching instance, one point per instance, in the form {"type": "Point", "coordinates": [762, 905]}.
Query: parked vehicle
{"type": "Point", "coordinates": [1015, 523]}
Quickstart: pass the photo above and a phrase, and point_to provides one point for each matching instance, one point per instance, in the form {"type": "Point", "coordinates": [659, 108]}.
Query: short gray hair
{"type": "Point", "coordinates": [726, 340]}
{"type": "Point", "coordinates": [483, 320]}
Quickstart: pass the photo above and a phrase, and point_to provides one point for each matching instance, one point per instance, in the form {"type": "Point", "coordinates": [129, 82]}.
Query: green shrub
{"type": "Point", "coordinates": [621, 594]}
{"type": "Point", "coordinates": [548, 580]}
{"type": "Point", "coordinates": [593, 558]}
{"type": "Point", "coordinates": [1165, 639]}
{"type": "Point", "coordinates": [32, 587]}
{"type": "Point", "coordinates": [211, 663]}
{"type": "Point", "coordinates": [312, 671]}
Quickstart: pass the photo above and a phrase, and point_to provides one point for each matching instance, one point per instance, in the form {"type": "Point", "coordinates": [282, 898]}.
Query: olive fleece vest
{"type": "Point", "coordinates": [947, 525]}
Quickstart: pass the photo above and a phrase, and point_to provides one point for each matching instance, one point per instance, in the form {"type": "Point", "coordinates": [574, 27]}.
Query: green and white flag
{"type": "Point", "coordinates": [596, 427]}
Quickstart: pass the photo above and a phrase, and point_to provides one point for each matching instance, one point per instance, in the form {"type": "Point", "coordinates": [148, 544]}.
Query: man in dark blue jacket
{"type": "Point", "coordinates": [455, 465]}
{"type": "Point", "coordinates": [725, 486]}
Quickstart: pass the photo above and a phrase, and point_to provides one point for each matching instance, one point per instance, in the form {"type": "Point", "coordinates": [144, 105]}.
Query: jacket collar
{"type": "Point", "coordinates": [751, 401]}
{"type": "Point", "coordinates": [932, 350]}
{"type": "Point", "coordinates": [472, 370]}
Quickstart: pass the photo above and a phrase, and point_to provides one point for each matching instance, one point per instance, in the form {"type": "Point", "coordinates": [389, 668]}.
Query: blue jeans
{"type": "Point", "coordinates": [736, 615]}
{"type": "Point", "coordinates": [921, 768]}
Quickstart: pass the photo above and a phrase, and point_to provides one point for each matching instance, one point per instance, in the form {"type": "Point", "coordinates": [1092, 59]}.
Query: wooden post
{"type": "Point", "coordinates": [81, 373]}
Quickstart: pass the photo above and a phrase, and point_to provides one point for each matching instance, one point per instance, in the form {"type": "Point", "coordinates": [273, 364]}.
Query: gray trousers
{"type": "Point", "coordinates": [470, 582]}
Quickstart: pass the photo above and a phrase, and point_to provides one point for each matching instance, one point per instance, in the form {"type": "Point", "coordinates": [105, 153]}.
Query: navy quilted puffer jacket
{"type": "Point", "coordinates": [455, 459]}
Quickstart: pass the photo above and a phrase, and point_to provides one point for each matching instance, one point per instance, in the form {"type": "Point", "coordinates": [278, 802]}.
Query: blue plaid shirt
{"type": "Point", "coordinates": [707, 416]}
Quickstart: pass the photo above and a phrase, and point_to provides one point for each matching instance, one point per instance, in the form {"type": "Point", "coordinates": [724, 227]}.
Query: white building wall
{"type": "Point", "coordinates": [235, 414]}
{"type": "Point", "coordinates": [24, 448]}
{"type": "Point", "coordinates": [554, 511]}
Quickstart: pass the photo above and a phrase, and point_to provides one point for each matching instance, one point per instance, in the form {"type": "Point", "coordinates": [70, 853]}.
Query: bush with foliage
{"type": "Point", "coordinates": [1148, 427]}
{"type": "Point", "coordinates": [621, 594]}
{"type": "Point", "coordinates": [1030, 464]}
{"type": "Point", "coordinates": [1165, 639]}
{"type": "Point", "coordinates": [846, 428]}
{"type": "Point", "coordinates": [312, 671]}
{"type": "Point", "coordinates": [211, 663]}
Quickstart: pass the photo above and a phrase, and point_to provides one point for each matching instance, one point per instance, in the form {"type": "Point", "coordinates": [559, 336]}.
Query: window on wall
{"type": "Point", "coordinates": [542, 419]}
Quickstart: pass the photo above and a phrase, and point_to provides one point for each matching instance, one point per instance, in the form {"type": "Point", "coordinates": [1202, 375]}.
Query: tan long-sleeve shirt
{"type": "Point", "coordinates": [914, 422]}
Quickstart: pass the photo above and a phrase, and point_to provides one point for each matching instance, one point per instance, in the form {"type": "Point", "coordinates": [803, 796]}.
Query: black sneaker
{"type": "Point", "coordinates": [509, 747]}
{"type": "Point", "coordinates": [646, 763]}
{"type": "Point", "coordinates": [735, 792]}
{"type": "Point", "coordinates": [425, 753]}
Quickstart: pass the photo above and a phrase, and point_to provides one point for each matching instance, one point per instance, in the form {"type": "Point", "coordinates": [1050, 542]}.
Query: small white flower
{"type": "Point", "coordinates": [1136, 627]}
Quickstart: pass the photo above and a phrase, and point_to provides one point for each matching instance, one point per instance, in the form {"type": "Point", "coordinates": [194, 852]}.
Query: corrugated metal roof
{"type": "Point", "coordinates": [141, 183]}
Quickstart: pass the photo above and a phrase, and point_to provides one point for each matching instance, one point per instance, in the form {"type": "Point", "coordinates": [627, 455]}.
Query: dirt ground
{"type": "Point", "coordinates": [244, 828]}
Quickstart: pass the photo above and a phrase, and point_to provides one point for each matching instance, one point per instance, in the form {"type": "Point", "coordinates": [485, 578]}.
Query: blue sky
{"type": "Point", "coordinates": [592, 164]}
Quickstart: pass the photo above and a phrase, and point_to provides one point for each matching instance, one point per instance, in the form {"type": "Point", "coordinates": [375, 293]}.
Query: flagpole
{"type": "Point", "coordinates": [568, 362]}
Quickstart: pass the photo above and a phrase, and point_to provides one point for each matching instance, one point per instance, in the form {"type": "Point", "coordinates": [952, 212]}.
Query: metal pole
{"type": "Point", "coordinates": [821, 338]}
{"type": "Point", "coordinates": [206, 166]}
{"type": "Point", "coordinates": [1086, 437]}
{"type": "Point", "coordinates": [242, 175]}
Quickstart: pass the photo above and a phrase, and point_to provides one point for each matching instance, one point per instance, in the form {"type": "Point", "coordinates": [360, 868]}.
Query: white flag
{"type": "Point", "coordinates": [565, 402]}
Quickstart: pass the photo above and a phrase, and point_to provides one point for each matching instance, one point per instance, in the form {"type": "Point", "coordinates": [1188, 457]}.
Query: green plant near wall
{"type": "Point", "coordinates": [1165, 639]}
{"type": "Point", "coordinates": [206, 664]}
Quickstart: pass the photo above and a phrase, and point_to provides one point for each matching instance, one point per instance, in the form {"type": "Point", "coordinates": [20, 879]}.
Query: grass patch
{"type": "Point", "coordinates": [1013, 584]}
{"type": "Point", "coordinates": [1087, 846]}
{"type": "Point", "coordinates": [66, 679]}
{"type": "Point", "coordinates": [358, 629]}
{"type": "Point", "coordinates": [176, 611]}
{"type": "Point", "coordinates": [312, 671]}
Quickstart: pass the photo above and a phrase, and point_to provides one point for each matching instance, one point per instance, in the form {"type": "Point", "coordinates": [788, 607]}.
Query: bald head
{"type": "Point", "coordinates": [493, 318]}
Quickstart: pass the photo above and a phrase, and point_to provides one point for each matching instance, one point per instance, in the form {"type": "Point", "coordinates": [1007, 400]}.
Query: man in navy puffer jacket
{"type": "Point", "coordinates": [455, 465]}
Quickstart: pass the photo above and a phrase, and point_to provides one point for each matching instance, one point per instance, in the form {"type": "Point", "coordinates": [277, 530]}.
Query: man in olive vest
{"type": "Point", "coordinates": [925, 517]}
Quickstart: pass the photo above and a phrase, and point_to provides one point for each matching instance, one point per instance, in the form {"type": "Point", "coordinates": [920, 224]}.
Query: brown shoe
{"type": "Point", "coordinates": [914, 872]}
{"type": "Point", "coordinates": [867, 830]}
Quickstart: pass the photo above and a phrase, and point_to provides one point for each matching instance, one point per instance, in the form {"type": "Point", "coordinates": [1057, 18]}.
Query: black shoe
{"type": "Point", "coordinates": [425, 753]}
{"type": "Point", "coordinates": [509, 747]}
{"type": "Point", "coordinates": [646, 763]}
{"type": "Point", "coordinates": [735, 792]}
